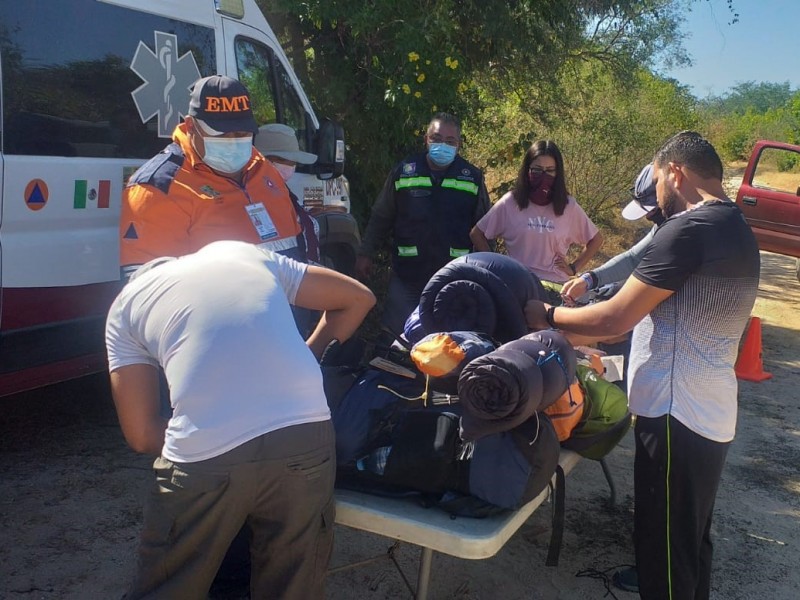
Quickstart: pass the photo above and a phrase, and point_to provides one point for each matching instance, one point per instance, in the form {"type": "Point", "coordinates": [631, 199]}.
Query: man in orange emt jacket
{"type": "Point", "coordinates": [211, 184]}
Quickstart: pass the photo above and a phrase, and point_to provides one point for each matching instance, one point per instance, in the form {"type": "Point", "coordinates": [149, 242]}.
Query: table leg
{"type": "Point", "coordinates": [424, 578]}
{"type": "Point", "coordinates": [557, 534]}
{"type": "Point", "coordinates": [610, 480]}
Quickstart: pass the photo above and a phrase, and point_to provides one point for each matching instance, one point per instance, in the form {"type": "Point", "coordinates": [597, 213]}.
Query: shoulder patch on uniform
{"type": "Point", "coordinates": [463, 170]}
{"type": "Point", "coordinates": [130, 233]}
{"type": "Point", "coordinates": [160, 170]}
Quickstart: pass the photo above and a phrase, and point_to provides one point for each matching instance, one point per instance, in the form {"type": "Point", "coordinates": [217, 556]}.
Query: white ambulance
{"type": "Point", "coordinates": [90, 89]}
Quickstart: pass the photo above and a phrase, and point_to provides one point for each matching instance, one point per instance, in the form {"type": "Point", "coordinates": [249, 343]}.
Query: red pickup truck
{"type": "Point", "coordinates": [769, 197]}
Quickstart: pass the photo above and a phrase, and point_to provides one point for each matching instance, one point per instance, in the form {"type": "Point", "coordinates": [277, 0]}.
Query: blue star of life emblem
{"type": "Point", "coordinates": [167, 81]}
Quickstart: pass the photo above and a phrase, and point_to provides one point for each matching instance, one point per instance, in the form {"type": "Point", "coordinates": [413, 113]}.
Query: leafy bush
{"type": "Point", "coordinates": [787, 161]}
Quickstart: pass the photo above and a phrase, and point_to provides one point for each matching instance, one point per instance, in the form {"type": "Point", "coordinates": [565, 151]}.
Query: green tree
{"type": "Point", "coordinates": [751, 96]}
{"type": "Point", "coordinates": [748, 112]}
{"type": "Point", "coordinates": [609, 133]}
{"type": "Point", "coordinates": [383, 67]}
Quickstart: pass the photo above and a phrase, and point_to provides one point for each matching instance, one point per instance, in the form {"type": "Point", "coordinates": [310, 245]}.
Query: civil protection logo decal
{"type": "Point", "coordinates": [167, 79]}
{"type": "Point", "coordinates": [36, 194]}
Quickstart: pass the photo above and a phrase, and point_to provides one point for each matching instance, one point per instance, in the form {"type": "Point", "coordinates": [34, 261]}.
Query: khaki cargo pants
{"type": "Point", "coordinates": [280, 484]}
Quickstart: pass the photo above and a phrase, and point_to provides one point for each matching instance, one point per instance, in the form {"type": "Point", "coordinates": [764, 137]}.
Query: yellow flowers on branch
{"type": "Point", "coordinates": [438, 79]}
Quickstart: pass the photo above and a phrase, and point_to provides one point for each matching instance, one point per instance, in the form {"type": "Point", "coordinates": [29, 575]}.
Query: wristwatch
{"type": "Point", "coordinates": [550, 317]}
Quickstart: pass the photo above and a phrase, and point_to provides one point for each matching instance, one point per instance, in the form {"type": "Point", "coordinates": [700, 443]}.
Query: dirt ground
{"type": "Point", "coordinates": [71, 496]}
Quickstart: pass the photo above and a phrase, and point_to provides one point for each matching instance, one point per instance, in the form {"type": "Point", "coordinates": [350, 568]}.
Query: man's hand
{"type": "Point", "coordinates": [602, 320]}
{"type": "Point", "coordinates": [535, 315]}
{"type": "Point", "coordinates": [363, 267]}
{"type": "Point", "coordinates": [572, 290]}
{"type": "Point", "coordinates": [345, 301]}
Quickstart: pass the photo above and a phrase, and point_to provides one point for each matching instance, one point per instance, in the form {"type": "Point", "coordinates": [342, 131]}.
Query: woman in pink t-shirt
{"type": "Point", "coordinates": [538, 220]}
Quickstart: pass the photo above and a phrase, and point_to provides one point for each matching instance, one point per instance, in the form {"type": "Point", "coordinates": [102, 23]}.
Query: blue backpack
{"type": "Point", "coordinates": [388, 445]}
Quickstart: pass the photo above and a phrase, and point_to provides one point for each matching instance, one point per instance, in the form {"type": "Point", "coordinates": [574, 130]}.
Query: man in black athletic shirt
{"type": "Point", "coordinates": [689, 300]}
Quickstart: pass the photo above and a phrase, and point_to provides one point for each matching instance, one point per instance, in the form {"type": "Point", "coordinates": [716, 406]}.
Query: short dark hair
{"type": "Point", "coordinates": [692, 150]}
{"type": "Point", "coordinates": [445, 117]}
{"type": "Point", "coordinates": [522, 187]}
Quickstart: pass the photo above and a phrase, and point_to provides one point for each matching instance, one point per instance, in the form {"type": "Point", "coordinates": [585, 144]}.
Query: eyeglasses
{"type": "Point", "coordinates": [438, 139]}
{"type": "Point", "coordinates": [539, 170]}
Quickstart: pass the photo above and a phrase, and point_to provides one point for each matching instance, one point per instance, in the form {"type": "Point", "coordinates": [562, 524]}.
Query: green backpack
{"type": "Point", "coordinates": [606, 419]}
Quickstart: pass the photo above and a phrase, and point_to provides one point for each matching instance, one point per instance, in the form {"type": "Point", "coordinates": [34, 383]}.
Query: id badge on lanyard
{"type": "Point", "coordinates": [259, 217]}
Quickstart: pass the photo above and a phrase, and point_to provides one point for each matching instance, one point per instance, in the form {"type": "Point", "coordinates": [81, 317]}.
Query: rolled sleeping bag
{"type": "Point", "coordinates": [523, 284]}
{"type": "Point", "coordinates": [498, 391]}
{"type": "Point", "coordinates": [483, 292]}
{"type": "Point", "coordinates": [556, 359]}
{"type": "Point", "coordinates": [460, 304]}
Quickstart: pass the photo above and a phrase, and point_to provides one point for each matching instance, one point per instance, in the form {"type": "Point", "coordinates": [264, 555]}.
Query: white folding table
{"type": "Point", "coordinates": [432, 529]}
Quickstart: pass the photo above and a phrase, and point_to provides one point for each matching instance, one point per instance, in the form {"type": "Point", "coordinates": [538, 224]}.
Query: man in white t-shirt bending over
{"type": "Point", "coordinates": [250, 439]}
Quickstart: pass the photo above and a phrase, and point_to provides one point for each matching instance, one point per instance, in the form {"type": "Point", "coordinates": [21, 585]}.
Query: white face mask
{"type": "Point", "coordinates": [227, 155]}
{"type": "Point", "coordinates": [286, 171]}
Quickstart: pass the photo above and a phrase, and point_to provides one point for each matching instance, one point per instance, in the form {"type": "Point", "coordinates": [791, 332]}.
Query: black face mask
{"type": "Point", "coordinates": [541, 188]}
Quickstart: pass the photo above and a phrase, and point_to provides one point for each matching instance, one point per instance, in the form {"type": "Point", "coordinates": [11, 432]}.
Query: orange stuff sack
{"type": "Point", "coordinates": [443, 356]}
{"type": "Point", "coordinates": [438, 355]}
{"type": "Point", "coordinates": [567, 412]}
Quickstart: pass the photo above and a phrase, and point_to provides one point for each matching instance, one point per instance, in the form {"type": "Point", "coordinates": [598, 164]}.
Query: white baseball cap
{"type": "Point", "coordinates": [644, 195]}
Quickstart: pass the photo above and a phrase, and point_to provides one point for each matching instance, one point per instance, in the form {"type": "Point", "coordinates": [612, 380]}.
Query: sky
{"type": "Point", "coordinates": [764, 46]}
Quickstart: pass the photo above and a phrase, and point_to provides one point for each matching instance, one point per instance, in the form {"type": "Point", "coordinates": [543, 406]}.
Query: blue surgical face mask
{"type": "Point", "coordinates": [227, 155]}
{"type": "Point", "coordinates": [441, 154]}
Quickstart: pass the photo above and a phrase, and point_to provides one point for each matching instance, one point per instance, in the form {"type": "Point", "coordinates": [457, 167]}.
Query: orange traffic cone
{"type": "Point", "coordinates": [749, 365]}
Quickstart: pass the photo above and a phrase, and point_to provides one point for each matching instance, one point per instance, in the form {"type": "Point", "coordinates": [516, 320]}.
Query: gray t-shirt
{"type": "Point", "coordinates": [683, 352]}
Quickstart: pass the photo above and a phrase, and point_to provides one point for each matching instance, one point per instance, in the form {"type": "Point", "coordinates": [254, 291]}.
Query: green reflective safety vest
{"type": "Point", "coordinates": [435, 212]}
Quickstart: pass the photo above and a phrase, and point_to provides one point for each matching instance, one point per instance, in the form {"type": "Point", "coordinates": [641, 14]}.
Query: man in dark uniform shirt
{"type": "Point", "coordinates": [427, 207]}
